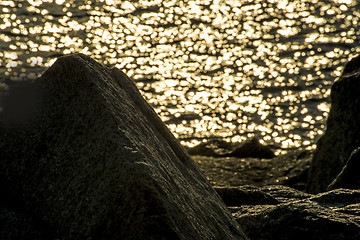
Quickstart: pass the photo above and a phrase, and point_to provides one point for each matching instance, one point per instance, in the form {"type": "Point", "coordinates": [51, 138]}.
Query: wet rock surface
{"type": "Point", "coordinates": [342, 133]}
{"type": "Point", "coordinates": [93, 161]}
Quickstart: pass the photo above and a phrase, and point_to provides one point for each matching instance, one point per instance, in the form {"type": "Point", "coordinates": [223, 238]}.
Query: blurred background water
{"type": "Point", "coordinates": [211, 69]}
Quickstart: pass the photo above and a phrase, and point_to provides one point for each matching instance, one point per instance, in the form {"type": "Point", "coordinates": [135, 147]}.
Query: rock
{"type": "Point", "coordinates": [290, 169]}
{"type": "Point", "coordinates": [342, 134]}
{"type": "Point", "coordinates": [213, 148]}
{"type": "Point", "coordinates": [219, 148]}
{"type": "Point", "coordinates": [252, 148]}
{"type": "Point", "coordinates": [244, 195]}
{"type": "Point", "coordinates": [18, 105]}
{"type": "Point", "coordinates": [284, 194]}
{"type": "Point", "coordinates": [17, 225]}
{"type": "Point", "coordinates": [349, 176]}
{"type": "Point", "coordinates": [92, 160]}
{"type": "Point", "coordinates": [331, 215]}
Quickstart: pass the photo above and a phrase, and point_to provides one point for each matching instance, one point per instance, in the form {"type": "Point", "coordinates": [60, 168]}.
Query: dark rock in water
{"type": "Point", "coordinates": [252, 148]}
{"type": "Point", "coordinates": [213, 148]}
{"type": "Point", "coordinates": [342, 134]}
{"type": "Point", "coordinates": [94, 161]}
{"type": "Point", "coordinates": [219, 148]}
{"type": "Point", "coordinates": [330, 215]}
{"type": "Point", "coordinates": [349, 176]}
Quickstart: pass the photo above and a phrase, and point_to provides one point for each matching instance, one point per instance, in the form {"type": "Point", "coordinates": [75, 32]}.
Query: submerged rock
{"type": "Point", "coordinates": [349, 176]}
{"type": "Point", "coordinates": [342, 134]}
{"type": "Point", "coordinates": [94, 161]}
{"type": "Point", "coordinates": [331, 215]}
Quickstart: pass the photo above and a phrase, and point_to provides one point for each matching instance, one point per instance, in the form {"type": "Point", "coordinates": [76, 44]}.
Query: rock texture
{"type": "Point", "coordinates": [290, 169]}
{"type": "Point", "coordinates": [245, 195]}
{"type": "Point", "coordinates": [342, 133]}
{"type": "Point", "coordinates": [297, 215]}
{"type": "Point", "coordinates": [349, 175]}
{"type": "Point", "coordinates": [91, 160]}
{"type": "Point", "coordinates": [212, 148]}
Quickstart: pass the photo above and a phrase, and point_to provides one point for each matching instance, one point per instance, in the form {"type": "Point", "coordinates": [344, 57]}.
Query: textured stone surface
{"type": "Point", "coordinates": [330, 215]}
{"type": "Point", "coordinates": [349, 175]}
{"type": "Point", "coordinates": [244, 195]}
{"type": "Point", "coordinates": [290, 169]}
{"type": "Point", "coordinates": [342, 133]}
{"type": "Point", "coordinates": [91, 160]}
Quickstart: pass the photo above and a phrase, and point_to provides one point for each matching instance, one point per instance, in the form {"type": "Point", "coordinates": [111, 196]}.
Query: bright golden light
{"type": "Point", "coordinates": [229, 69]}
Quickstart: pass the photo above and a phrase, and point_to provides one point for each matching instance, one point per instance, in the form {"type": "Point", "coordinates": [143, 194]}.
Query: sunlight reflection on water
{"type": "Point", "coordinates": [228, 69]}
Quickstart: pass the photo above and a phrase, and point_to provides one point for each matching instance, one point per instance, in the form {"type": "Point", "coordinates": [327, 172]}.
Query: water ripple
{"type": "Point", "coordinates": [211, 69]}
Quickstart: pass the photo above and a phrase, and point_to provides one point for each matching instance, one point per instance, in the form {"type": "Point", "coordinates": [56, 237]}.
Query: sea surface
{"type": "Point", "coordinates": [211, 69]}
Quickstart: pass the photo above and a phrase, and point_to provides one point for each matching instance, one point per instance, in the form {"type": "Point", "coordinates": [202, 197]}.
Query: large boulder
{"type": "Point", "coordinates": [90, 159]}
{"type": "Point", "coordinates": [342, 133]}
{"type": "Point", "coordinates": [297, 215]}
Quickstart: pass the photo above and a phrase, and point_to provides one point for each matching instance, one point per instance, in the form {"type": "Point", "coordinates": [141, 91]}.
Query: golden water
{"type": "Point", "coordinates": [211, 69]}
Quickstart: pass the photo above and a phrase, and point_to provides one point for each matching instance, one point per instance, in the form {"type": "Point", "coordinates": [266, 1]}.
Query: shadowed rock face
{"type": "Point", "coordinates": [342, 133]}
{"type": "Point", "coordinates": [93, 161]}
{"type": "Point", "coordinates": [349, 175]}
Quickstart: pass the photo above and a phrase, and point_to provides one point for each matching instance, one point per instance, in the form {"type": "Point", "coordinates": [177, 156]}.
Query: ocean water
{"type": "Point", "coordinates": [211, 69]}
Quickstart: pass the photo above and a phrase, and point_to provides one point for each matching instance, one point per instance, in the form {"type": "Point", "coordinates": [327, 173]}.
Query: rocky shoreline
{"type": "Point", "coordinates": [83, 156]}
{"type": "Point", "coordinates": [289, 170]}
{"type": "Point", "coordinates": [268, 195]}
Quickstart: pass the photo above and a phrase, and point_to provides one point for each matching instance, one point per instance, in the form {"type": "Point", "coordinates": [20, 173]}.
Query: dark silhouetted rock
{"type": "Point", "coordinates": [252, 148]}
{"type": "Point", "coordinates": [349, 176]}
{"type": "Point", "coordinates": [18, 101]}
{"type": "Point", "coordinates": [219, 148]}
{"type": "Point", "coordinates": [342, 133]}
{"type": "Point", "coordinates": [331, 215]}
{"type": "Point", "coordinates": [213, 148]}
{"type": "Point", "coordinates": [92, 160]}
{"type": "Point", "coordinates": [16, 224]}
